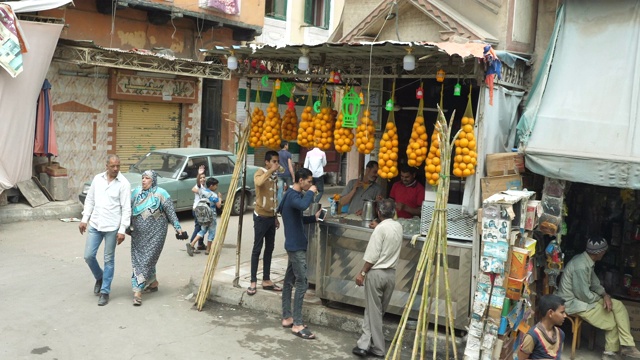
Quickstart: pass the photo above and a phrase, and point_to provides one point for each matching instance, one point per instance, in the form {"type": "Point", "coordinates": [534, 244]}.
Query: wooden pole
{"type": "Point", "coordinates": [236, 279]}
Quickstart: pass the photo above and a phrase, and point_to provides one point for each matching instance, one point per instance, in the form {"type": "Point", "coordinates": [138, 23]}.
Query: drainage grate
{"type": "Point", "coordinates": [459, 224]}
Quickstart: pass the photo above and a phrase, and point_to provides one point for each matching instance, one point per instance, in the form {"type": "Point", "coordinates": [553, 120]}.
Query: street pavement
{"type": "Point", "coordinates": [48, 310]}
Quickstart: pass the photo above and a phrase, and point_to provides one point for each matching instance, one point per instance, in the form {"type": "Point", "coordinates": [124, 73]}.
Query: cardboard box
{"type": "Point", "coordinates": [504, 164]}
{"type": "Point", "coordinates": [514, 288]}
{"type": "Point", "coordinates": [531, 219]}
{"type": "Point", "coordinates": [633, 308]}
{"type": "Point", "coordinates": [494, 185]}
{"type": "Point", "coordinates": [519, 263]}
{"type": "Point", "coordinates": [56, 171]}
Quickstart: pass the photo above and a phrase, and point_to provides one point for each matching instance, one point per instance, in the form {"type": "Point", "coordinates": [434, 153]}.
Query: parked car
{"type": "Point", "coordinates": [177, 170]}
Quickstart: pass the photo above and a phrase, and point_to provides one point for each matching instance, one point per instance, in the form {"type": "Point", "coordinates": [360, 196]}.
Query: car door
{"type": "Point", "coordinates": [186, 197]}
{"type": "Point", "coordinates": [222, 169]}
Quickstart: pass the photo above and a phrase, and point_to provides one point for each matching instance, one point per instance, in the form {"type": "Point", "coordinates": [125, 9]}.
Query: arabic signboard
{"type": "Point", "coordinates": [124, 85]}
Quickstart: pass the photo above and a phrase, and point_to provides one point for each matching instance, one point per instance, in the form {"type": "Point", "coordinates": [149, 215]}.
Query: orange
{"type": "Point", "coordinates": [464, 142]}
{"type": "Point", "coordinates": [435, 161]}
{"type": "Point", "coordinates": [466, 159]}
{"type": "Point", "coordinates": [431, 168]}
{"type": "Point", "coordinates": [435, 177]}
{"type": "Point", "coordinates": [466, 172]}
{"type": "Point", "coordinates": [462, 135]}
{"type": "Point", "coordinates": [457, 172]}
{"type": "Point", "coordinates": [465, 151]}
{"type": "Point", "coordinates": [458, 150]}
{"type": "Point", "coordinates": [467, 128]}
{"type": "Point", "coordinates": [411, 162]}
{"type": "Point", "coordinates": [390, 126]}
{"type": "Point", "coordinates": [465, 120]}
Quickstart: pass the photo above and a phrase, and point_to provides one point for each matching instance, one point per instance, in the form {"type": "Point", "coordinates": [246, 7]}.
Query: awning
{"type": "Point", "coordinates": [580, 120]}
{"type": "Point", "coordinates": [383, 58]}
{"type": "Point", "coordinates": [88, 53]}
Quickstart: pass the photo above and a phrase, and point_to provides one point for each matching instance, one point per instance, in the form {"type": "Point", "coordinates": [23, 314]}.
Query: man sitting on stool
{"type": "Point", "coordinates": [586, 297]}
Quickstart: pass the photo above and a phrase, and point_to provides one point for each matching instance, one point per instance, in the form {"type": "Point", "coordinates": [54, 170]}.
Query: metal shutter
{"type": "Point", "coordinates": [143, 127]}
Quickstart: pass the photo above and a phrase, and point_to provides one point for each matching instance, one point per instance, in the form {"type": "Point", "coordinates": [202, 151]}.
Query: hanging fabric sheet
{"type": "Point", "coordinates": [580, 123]}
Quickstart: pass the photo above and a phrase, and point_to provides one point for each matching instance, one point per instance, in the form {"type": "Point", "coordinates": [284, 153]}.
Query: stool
{"type": "Point", "coordinates": [576, 326]}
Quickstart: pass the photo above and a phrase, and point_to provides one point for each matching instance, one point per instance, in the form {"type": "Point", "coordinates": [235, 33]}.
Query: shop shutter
{"type": "Point", "coordinates": [143, 127]}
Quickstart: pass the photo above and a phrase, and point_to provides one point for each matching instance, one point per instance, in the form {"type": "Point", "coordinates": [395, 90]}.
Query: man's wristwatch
{"type": "Point", "coordinates": [363, 273]}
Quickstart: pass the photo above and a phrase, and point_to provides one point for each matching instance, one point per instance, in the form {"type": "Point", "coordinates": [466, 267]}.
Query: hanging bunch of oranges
{"type": "Point", "coordinates": [388, 156]}
{"type": "Point", "coordinates": [343, 136]}
{"type": "Point", "coordinates": [272, 126]}
{"type": "Point", "coordinates": [305, 131]}
{"type": "Point", "coordinates": [257, 122]}
{"type": "Point", "coordinates": [417, 148]}
{"type": "Point", "coordinates": [432, 166]}
{"type": "Point", "coordinates": [290, 124]}
{"type": "Point", "coordinates": [365, 134]}
{"type": "Point", "coordinates": [323, 128]}
{"type": "Point", "coordinates": [464, 163]}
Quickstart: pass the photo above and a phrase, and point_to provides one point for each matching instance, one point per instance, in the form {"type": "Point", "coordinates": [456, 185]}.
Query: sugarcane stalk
{"type": "Point", "coordinates": [216, 250]}
{"type": "Point", "coordinates": [435, 246]}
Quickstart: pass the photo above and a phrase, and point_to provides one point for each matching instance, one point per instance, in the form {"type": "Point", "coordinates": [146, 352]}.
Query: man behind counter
{"type": "Point", "coordinates": [357, 191]}
{"type": "Point", "coordinates": [408, 193]}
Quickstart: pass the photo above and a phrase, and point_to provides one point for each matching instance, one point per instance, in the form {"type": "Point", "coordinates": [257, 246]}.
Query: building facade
{"type": "Point", "coordinates": [129, 77]}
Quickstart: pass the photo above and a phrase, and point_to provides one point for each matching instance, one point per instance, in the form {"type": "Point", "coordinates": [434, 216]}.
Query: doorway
{"type": "Point", "coordinates": [211, 117]}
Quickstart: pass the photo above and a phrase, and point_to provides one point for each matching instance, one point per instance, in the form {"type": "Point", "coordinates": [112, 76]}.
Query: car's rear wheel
{"type": "Point", "coordinates": [235, 210]}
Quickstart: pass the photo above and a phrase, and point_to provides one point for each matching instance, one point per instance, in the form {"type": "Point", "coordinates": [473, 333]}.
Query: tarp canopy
{"type": "Point", "coordinates": [580, 120]}
{"type": "Point", "coordinates": [35, 5]}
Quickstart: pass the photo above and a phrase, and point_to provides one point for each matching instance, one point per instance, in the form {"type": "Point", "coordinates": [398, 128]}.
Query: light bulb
{"type": "Point", "coordinates": [303, 63]}
{"type": "Point", "coordinates": [409, 62]}
{"type": "Point", "coordinates": [232, 62]}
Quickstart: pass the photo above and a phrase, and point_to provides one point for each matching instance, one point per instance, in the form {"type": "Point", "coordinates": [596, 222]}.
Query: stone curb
{"type": "Point", "coordinates": [313, 312]}
{"type": "Point", "coordinates": [50, 211]}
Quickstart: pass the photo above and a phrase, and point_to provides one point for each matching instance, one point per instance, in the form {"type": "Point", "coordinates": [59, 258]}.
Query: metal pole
{"type": "Point", "coordinates": [236, 279]}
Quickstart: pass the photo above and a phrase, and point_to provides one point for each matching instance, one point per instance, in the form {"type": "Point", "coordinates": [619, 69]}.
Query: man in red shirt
{"type": "Point", "coordinates": [408, 193]}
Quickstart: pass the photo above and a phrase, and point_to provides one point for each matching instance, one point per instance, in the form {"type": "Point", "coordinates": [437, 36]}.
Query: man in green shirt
{"type": "Point", "coordinates": [585, 297]}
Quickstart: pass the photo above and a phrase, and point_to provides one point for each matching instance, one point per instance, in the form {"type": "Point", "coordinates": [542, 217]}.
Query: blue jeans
{"type": "Point", "coordinates": [211, 228]}
{"type": "Point", "coordinates": [296, 273]}
{"type": "Point", "coordinates": [196, 229]}
{"type": "Point", "coordinates": [94, 239]}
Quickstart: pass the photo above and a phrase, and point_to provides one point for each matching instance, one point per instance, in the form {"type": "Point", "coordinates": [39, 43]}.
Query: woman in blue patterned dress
{"type": "Point", "coordinates": [152, 209]}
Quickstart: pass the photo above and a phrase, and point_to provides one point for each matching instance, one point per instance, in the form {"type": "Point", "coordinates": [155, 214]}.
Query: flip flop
{"type": "Point", "coordinates": [189, 249]}
{"type": "Point", "coordinates": [150, 289]}
{"type": "Point", "coordinates": [251, 291]}
{"type": "Point", "coordinates": [273, 287]}
{"type": "Point", "coordinates": [137, 301]}
{"type": "Point", "coordinates": [305, 334]}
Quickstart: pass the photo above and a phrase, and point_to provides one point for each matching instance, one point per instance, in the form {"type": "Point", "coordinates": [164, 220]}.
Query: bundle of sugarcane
{"type": "Point", "coordinates": [433, 257]}
{"type": "Point", "coordinates": [221, 231]}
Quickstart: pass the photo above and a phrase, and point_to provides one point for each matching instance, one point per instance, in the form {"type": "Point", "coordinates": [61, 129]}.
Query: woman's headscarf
{"type": "Point", "coordinates": [150, 199]}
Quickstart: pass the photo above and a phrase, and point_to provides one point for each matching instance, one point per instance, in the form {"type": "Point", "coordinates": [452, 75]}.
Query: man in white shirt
{"type": "Point", "coordinates": [379, 270]}
{"type": "Point", "coordinates": [315, 161]}
{"type": "Point", "coordinates": [107, 209]}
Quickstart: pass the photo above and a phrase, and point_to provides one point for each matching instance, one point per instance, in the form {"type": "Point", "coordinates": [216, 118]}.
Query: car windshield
{"type": "Point", "coordinates": [165, 165]}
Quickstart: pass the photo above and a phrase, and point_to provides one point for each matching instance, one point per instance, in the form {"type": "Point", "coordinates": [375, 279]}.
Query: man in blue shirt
{"type": "Point", "coordinates": [294, 202]}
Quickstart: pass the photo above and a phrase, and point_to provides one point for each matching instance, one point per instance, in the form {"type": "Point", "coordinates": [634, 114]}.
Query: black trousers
{"type": "Point", "coordinates": [265, 232]}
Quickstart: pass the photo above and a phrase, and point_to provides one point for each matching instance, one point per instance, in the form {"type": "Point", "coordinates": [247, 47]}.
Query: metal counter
{"type": "Point", "coordinates": [336, 248]}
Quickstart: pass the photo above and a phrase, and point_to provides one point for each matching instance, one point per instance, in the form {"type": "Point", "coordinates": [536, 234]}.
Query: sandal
{"type": "Point", "coordinates": [251, 291]}
{"type": "Point", "coordinates": [305, 334]}
{"type": "Point", "coordinates": [272, 287]}
{"type": "Point", "coordinates": [150, 289]}
{"type": "Point", "coordinates": [137, 301]}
